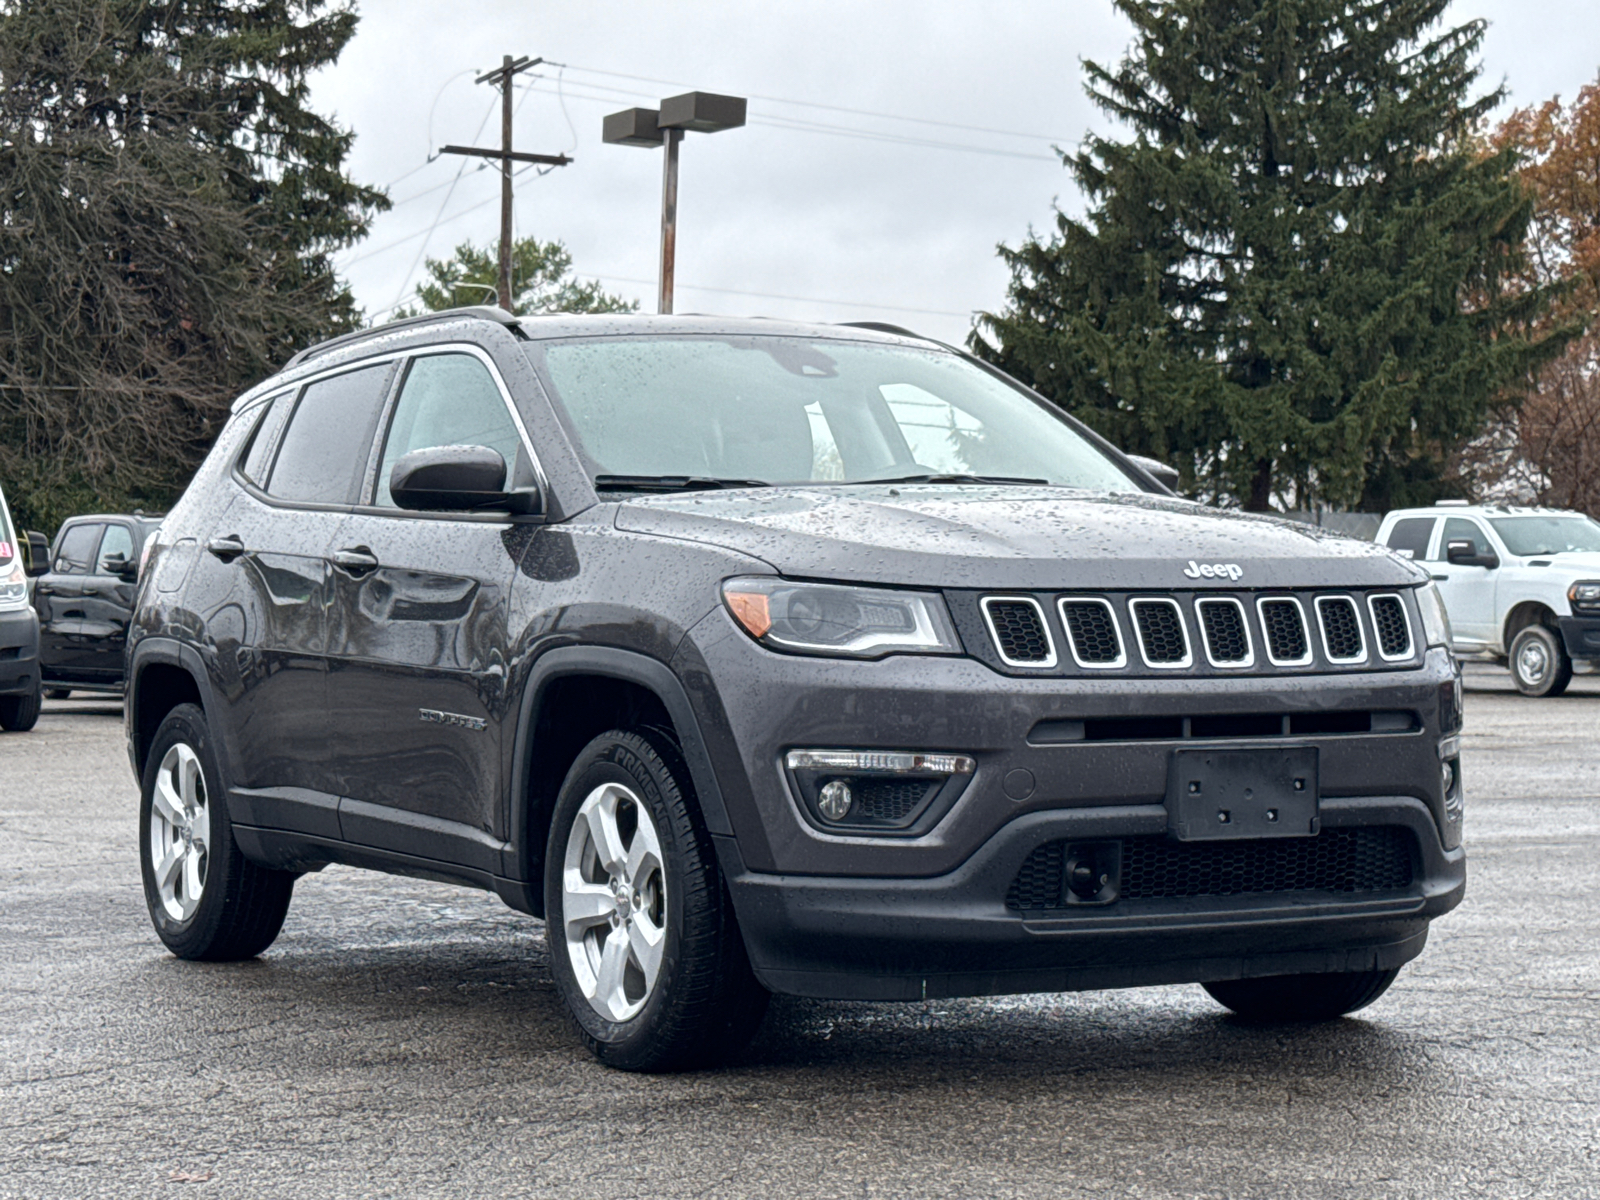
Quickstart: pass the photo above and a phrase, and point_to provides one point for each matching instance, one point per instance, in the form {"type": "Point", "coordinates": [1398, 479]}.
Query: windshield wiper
{"type": "Point", "coordinates": [956, 479]}
{"type": "Point", "coordinates": [670, 483]}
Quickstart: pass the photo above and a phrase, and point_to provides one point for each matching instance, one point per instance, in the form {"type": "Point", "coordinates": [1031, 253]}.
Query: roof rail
{"type": "Point", "coordinates": [885, 327]}
{"type": "Point", "coordinates": [482, 312]}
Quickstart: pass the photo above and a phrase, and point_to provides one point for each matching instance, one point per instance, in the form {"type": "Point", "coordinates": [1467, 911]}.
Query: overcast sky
{"type": "Point", "coordinates": [891, 144]}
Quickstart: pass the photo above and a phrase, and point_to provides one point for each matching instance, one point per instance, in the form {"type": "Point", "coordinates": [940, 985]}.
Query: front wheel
{"type": "Point", "coordinates": [18, 714]}
{"type": "Point", "coordinates": [644, 946]}
{"type": "Point", "coordinates": [1301, 997]}
{"type": "Point", "coordinates": [207, 901]}
{"type": "Point", "coordinates": [1539, 662]}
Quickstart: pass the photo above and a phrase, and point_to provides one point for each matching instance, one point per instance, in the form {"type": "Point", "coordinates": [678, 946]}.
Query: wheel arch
{"type": "Point", "coordinates": [162, 675]}
{"type": "Point", "coordinates": [1523, 614]}
{"type": "Point", "coordinates": [573, 694]}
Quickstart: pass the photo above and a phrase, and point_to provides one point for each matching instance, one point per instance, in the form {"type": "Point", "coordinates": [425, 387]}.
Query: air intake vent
{"type": "Point", "coordinates": [1394, 631]}
{"type": "Point", "coordinates": [1341, 629]}
{"type": "Point", "coordinates": [1161, 633]}
{"type": "Point", "coordinates": [1092, 633]}
{"type": "Point", "coordinates": [1285, 626]}
{"type": "Point", "coordinates": [1017, 623]}
{"type": "Point", "coordinates": [1366, 859]}
{"type": "Point", "coordinates": [1222, 625]}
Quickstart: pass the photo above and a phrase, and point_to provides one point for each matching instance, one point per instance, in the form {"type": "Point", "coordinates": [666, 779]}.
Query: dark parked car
{"type": "Point", "coordinates": [768, 657]}
{"type": "Point", "coordinates": [85, 601]}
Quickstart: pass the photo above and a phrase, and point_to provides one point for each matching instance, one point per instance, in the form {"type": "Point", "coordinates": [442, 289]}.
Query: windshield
{"type": "Point", "coordinates": [1546, 535]}
{"type": "Point", "coordinates": [8, 540]}
{"type": "Point", "coordinates": [802, 410]}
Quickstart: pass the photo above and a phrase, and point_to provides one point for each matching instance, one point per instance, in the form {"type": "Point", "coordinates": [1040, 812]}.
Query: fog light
{"type": "Point", "coordinates": [834, 799]}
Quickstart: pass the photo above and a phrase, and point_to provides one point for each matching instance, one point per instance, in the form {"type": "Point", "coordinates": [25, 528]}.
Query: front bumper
{"type": "Point", "coordinates": [19, 652]}
{"type": "Point", "coordinates": [1581, 635]}
{"type": "Point", "coordinates": [952, 935]}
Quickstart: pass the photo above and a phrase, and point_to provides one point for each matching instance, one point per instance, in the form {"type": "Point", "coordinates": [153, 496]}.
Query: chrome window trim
{"type": "Point", "coordinates": [1249, 659]}
{"type": "Point", "coordinates": [1266, 638]}
{"type": "Point", "coordinates": [994, 635]}
{"type": "Point", "coordinates": [1405, 615]}
{"type": "Point", "coordinates": [1322, 628]}
{"type": "Point", "coordinates": [1188, 643]}
{"type": "Point", "coordinates": [1116, 628]}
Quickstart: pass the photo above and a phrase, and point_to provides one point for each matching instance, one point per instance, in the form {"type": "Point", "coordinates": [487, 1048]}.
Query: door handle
{"type": "Point", "coordinates": [356, 559]}
{"type": "Point", "coordinates": [226, 548]}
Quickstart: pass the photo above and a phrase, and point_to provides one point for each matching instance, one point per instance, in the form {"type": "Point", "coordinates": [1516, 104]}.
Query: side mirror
{"type": "Point", "coordinates": [1464, 554]}
{"type": "Point", "coordinates": [1166, 476]}
{"type": "Point", "coordinates": [38, 553]}
{"type": "Point", "coordinates": [458, 479]}
{"type": "Point", "coordinates": [123, 567]}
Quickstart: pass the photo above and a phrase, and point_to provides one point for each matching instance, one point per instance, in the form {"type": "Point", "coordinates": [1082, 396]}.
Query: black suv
{"type": "Point", "coordinates": [759, 657]}
{"type": "Point", "coordinates": [85, 601]}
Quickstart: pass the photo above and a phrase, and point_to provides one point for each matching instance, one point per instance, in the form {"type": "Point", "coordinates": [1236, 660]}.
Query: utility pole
{"type": "Point", "coordinates": [502, 76]}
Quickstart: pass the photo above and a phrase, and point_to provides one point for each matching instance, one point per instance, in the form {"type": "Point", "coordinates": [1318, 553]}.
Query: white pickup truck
{"type": "Point", "coordinates": [1521, 585]}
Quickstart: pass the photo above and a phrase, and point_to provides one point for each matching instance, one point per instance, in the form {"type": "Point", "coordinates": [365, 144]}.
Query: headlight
{"type": "Point", "coordinates": [1435, 620]}
{"type": "Point", "coordinates": [834, 619]}
{"type": "Point", "coordinates": [1584, 596]}
{"type": "Point", "coordinates": [14, 586]}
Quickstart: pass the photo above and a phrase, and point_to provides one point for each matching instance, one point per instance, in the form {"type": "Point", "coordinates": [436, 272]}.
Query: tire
{"type": "Point", "coordinates": [703, 1003]}
{"type": "Point", "coordinates": [1539, 662]}
{"type": "Point", "coordinates": [1284, 998]}
{"type": "Point", "coordinates": [18, 714]}
{"type": "Point", "coordinates": [57, 693]}
{"type": "Point", "coordinates": [215, 905]}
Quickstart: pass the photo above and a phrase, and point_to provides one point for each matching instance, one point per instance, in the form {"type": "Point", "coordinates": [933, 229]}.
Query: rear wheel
{"type": "Point", "coordinates": [18, 714]}
{"type": "Point", "coordinates": [644, 946]}
{"type": "Point", "coordinates": [1539, 662]}
{"type": "Point", "coordinates": [1301, 997]}
{"type": "Point", "coordinates": [207, 901]}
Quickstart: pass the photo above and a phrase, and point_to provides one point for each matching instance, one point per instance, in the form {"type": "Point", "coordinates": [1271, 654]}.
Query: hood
{"type": "Point", "coordinates": [1575, 562]}
{"type": "Point", "coordinates": [988, 536]}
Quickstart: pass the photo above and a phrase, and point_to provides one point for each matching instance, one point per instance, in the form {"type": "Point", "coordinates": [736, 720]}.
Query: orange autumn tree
{"type": "Point", "coordinates": [1548, 448]}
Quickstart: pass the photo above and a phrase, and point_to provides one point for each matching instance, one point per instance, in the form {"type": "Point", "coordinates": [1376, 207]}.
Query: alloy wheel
{"type": "Point", "coordinates": [180, 832]}
{"type": "Point", "coordinates": [614, 901]}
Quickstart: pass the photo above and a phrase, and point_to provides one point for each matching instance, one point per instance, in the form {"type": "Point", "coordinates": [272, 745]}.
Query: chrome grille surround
{"type": "Point", "coordinates": [1262, 604]}
{"type": "Point", "coordinates": [1382, 625]}
{"type": "Point", "coordinates": [1121, 659]}
{"type": "Point", "coordinates": [1153, 605]}
{"type": "Point", "coordinates": [989, 602]}
{"type": "Point", "coordinates": [1327, 605]}
{"type": "Point", "coordinates": [1225, 603]}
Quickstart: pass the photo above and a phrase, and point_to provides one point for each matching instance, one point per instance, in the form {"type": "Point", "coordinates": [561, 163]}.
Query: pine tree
{"type": "Point", "coordinates": [168, 208]}
{"type": "Point", "coordinates": [1290, 278]}
{"type": "Point", "coordinates": [541, 281]}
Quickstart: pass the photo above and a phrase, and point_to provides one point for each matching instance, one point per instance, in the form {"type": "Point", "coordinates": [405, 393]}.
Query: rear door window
{"type": "Point", "coordinates": [324, 452]}
{"type": "Point", "coordinates": [75, 555]}
{"type": "Point", "coordinates": [1409, 537]}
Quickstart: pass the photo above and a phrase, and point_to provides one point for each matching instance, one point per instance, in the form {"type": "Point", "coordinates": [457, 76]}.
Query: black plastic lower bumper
{"type": "Point", "coordinates": [1582, 636]}
{"type": "Point", "coordinates": [19, 652]}
{"type": "Point", "coordinates": [952, 935]}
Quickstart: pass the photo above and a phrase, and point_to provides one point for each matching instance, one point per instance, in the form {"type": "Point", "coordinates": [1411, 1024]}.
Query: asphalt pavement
{"type": "Point", "coordinates": [403, 1039]}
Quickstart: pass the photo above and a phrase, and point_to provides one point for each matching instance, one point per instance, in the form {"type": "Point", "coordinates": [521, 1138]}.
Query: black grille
{"type": "Point", "coordinates": [1389, 619]}
{"type": "Point", "coordinates": [1093, 632]}
{"type": "Point", "coordinates": [1369, 859]}
{"type": "Point", "coordinates": [1018, 631]}
{"type": "Point", "coordinates": [1286, 630]}
{"type": "Point", "coordinates": [1161, 631]}
{"type": "Point", "coordinates": [1341, 628]}
{"type": "Point", "coordinates": [889, 801]}
{"type": "Point", "coordinates": [1224, 631]}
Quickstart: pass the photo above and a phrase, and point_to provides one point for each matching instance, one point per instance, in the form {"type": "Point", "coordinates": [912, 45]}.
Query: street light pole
{"type": "Point", "coordinates": [702, 112]}
{"type": "Point", "coordinates": [669, 220]}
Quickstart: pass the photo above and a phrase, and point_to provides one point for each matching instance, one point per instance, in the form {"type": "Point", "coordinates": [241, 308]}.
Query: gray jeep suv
{"type": "Point", "coordinates": [758, 657]}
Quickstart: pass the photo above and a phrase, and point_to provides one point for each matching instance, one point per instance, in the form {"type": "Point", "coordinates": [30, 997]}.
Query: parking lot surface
{"type": "Point", "coordinates": [403, 1039]}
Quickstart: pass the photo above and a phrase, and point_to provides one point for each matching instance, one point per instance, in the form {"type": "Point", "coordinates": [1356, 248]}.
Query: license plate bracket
{"type": "Point", "coordinates": [1225, 795]}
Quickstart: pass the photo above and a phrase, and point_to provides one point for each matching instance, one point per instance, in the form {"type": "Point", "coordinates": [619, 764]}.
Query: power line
{"type": "Point", "coordinates": [859, 112]}
{"type": "Point", "coordinates": [932, 312]}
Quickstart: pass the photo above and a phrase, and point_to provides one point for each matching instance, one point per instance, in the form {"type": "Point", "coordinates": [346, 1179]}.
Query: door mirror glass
{"type": "Point", "coordinates": [457, 479]}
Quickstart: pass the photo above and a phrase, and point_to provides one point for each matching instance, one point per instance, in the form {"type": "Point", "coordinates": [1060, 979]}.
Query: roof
{"type": "Point", "coordinates": [1487, 510]}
